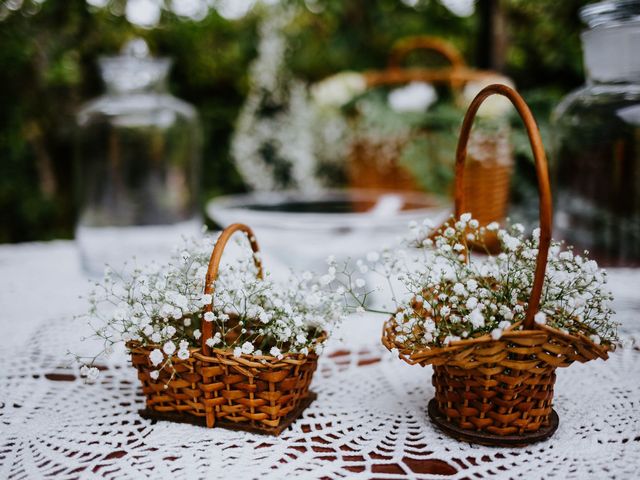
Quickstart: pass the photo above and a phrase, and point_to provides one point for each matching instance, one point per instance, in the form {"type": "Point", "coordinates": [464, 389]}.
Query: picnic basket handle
{"type": "Point", "coordinates": [214, 267]}
{"type": "Point", "coordinates": [404, 46]}
{"type": "Point", "coordinates": [541, 172]}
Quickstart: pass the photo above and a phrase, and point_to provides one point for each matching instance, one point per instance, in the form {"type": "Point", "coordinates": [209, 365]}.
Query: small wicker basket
{"type": "Point", "coordinates": [261, 394]}
{"type": "Point", "coordinates": [500, 392]}
{"type": "Point", "coordinates": [376, 165]}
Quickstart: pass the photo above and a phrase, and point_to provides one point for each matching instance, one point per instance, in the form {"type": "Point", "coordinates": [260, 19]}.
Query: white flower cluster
{"type": "Point", "coordinates": [451, 296]}
{"type": "Point", "coordinates": [414, 97]}
{"type": "Point", "coordinates": [272, 146]}
{"type": "Point", "coordinates": [495, 106]}
{"type": "Point", "coordinates": [162, 307]}
{"type": "Point", "coordinates": [339, 89]}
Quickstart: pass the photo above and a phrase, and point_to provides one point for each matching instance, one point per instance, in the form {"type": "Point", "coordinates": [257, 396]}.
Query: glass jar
{"type": "Point", "coordinates": [597, 140]}
{"type": "Point", "coordinates": [138, 163]}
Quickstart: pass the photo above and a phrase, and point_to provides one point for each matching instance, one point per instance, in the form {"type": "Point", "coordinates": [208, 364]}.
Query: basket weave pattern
{"type": "Point", "coordinates": [504, 386]}
{"type": "Point", "coordinates": [214, 388]}
{"type": "Point", "coordinates": [180, 394]}
{"type": "Point", "coordinates": [247, 391]}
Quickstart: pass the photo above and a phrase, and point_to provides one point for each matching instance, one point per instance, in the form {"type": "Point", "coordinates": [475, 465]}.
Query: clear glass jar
{"type": "Point", "coordinates": [597, 140]}
{"type": "Point", "coordinates": [138, 163]}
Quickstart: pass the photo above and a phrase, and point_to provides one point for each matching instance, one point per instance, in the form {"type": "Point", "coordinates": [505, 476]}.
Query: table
{"type": "Point", "coordinates": [369, 420]}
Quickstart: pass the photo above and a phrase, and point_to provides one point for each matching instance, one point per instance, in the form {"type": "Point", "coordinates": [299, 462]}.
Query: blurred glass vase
{"type": "Point", "coordinates": [138, 163]}
{"type": "Point", "coordinates": [597, 140]}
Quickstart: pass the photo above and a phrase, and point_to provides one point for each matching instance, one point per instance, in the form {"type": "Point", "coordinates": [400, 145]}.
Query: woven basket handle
{"type": "Point", "coordinates": [407, 45]}
{"type": "Point", "coordinates": [541, 172]}
{"type": "Point", "coordinates": [214, 268]}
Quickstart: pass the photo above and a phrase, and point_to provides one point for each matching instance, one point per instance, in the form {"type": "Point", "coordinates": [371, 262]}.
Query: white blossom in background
{"type": "Point", "coordinates": [148, 13]}
{"type": "Point", "coordinates": [414, 97]}
{"type": "Point", "coordinates": [495, 106]}
{"type": "Point", "coordinates": [338, 89]}
{"type": "Point", "coordinates": [233, 9]}
{"type": "Point", "coordinates": [461, 8]}
{"type": "Point", "coordinates": [144, 13]}
{"type": "Point", "coordinates": [192, 9]}
{"type": "Point", "coordinates": [273, 145]}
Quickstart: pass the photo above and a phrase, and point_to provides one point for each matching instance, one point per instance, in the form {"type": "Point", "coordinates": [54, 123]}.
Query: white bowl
{"type": "Point", "coordinates": [302, 229]}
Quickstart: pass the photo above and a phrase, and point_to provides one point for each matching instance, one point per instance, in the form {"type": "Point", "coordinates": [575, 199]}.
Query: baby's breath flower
{"type": "Point", "coordinates": [476, 318]}
{"type": "Point", "coordinates": [169, 348]}
{"type": "Point", "coordinates": [540, 318]}
{"type": "Point", "coordinates": [206, 299]}
{"type": "Point", "coordinates": [472, 303]}
{"type": "Point", "coordinates": [459, 289]}
{"type": "Point", "coordinates": [156, 356]}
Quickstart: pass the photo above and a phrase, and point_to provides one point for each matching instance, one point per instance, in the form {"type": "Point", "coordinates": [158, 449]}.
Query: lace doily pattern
{"type": "Point", "coordinates": [369, 421]}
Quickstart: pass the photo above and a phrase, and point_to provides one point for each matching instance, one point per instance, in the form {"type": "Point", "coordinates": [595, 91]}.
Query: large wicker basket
{"type": "Point", "coordinates": [376, 165]}
{"type": "Point", "coordinates": [500, 392]}
{"type": "Point", "coordinates": [262, 394]}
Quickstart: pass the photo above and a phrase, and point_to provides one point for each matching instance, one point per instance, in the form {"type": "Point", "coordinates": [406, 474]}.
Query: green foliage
{"type": "Point", "coordinates": [48, 69]}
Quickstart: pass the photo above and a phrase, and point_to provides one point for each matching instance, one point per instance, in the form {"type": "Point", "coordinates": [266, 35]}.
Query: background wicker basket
{"type": "Point", "coordinates": [262, 394]}
{"type": "Point", "coordinates": [376, 165]}
{"type": "Point", "coordinates": [500, 392]}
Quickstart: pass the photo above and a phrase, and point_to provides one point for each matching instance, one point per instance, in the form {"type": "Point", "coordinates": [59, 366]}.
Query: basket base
{"type": "Point", "coordinates": [178, 417]}
{"type": "Point", "coordinates": [487, 438]}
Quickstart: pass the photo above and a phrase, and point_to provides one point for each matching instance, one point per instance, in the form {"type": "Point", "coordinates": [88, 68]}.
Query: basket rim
{"type": "Point", "coordinates": [246, 359]}
{"type": "Point", "coordinates": [390, 342]}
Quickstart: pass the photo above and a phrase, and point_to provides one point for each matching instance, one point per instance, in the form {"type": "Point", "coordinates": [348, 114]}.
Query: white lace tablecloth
{"type": "Point", "coordinates": [369, 420]}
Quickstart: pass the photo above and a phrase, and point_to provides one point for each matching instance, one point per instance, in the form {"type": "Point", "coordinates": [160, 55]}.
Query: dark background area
{"type": "Point", "coordinates": [48, 69]}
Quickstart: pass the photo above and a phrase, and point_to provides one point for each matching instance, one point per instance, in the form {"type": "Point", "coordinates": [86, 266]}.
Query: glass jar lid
{"type": "Point", "coordinates": [134, 69]}
{"type": "Point", "coordinates": [610, 13]}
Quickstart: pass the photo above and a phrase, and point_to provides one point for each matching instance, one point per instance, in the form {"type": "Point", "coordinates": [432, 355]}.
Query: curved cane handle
{"type": "Point", "coordinates": [541, 172]}
{"type": "Point", "coordinates": [406, 45]}
{"type": "Point", "coordinates": [214, 267]}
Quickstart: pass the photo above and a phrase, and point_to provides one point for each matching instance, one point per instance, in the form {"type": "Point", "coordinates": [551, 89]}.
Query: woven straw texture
{"type": "Point", "coordinates": [501, 387]}
{"type": "Point", "coordinates": [215, 388]}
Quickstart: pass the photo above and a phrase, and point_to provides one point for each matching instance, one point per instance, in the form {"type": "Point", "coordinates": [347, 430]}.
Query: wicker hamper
{"type": "Point", "coordinates": [500, 392]}
{"type": "Point", "coordinates": [261, 394]}
{"type": "Point", "coordinates": [376, 165]}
